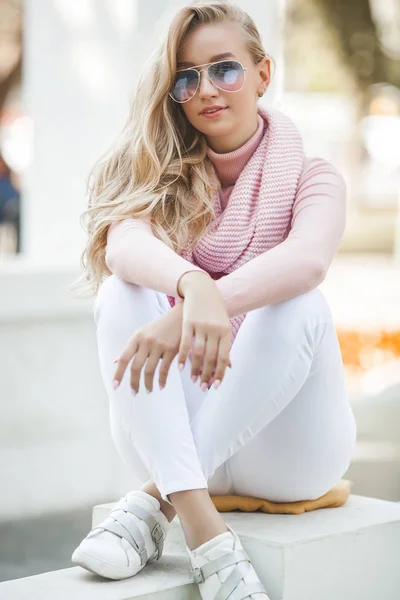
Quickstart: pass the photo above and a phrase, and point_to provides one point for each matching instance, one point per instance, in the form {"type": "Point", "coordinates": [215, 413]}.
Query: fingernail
{"type": "Point", "coordinates": [147, 391]}
{"type": "Point", "coordinates": [194, 378]}
{"type": "Point", "coordinates": [217, 383]}
{"type": "Point", "coordinates": [133, 392]}
{"type": "Point", "coordinates": [204, 386]}
{"type": "Point", "coordinates": [161, 386]}
{"type": "Point", "coordinates": [115, 384]}
{"type": "Point", "coordinates": [181, 366]}
{"type": "Point", "coordinates": [115, 359]}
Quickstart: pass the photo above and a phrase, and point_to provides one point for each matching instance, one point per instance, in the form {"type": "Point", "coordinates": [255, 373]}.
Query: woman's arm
{"type": "Point", "coordinates": [293, 267]}
{"type": "Point", "coordinates": [137, 256]}
{"type": "Point", "coordinates": [300, 262]}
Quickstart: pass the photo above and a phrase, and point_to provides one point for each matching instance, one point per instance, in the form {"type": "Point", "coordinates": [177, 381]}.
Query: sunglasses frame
{"type": "Point", "coordinates": [208, 65]}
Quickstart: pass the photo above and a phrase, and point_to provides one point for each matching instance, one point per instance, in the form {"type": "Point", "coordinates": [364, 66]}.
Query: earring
{"type": "Point", "coordinates": [260, 95]}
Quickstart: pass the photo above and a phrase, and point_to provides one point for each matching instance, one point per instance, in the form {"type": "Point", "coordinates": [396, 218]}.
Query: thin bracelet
{"type": "Point", "coordinates": [189, 271]}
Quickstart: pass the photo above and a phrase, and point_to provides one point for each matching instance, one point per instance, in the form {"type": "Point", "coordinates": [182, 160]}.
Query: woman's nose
{"type": "Point", "coordinates": [206, 86]}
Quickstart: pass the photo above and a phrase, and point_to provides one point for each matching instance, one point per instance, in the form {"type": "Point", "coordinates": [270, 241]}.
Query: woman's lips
{"type": "Point", "coordinates": [214, 114]}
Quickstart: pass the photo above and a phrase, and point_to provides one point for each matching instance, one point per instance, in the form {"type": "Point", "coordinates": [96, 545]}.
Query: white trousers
{"type": "Point", "coordinates": [279, 427]}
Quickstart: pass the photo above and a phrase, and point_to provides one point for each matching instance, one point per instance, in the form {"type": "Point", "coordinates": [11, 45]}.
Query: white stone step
{"type": "Point", "coordinates": [346, 553]}
{"type": "Point", "coordinates": [167, 579]}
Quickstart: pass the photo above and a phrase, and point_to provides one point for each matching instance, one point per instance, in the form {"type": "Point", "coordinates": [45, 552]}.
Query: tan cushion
{"type": "Point", "coordinates": [337, 496]}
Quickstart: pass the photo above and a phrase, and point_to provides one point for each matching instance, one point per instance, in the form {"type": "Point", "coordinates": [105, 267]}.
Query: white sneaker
{"type": "Point", "coordinates": [130, 536]}
{"type": "Point", "coordinates": [222, 569]}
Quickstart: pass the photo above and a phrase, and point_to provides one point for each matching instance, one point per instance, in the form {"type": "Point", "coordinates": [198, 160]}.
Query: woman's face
{"type": "Point", "coordinates": [235, 125]}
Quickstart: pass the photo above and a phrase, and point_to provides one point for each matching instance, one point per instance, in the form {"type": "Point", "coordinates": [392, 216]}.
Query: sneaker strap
{"type": "Point", "coordinates": [119, 522]}
{"type": "Point", "coordinates": [229, 588]}
{"type": "Point", "coordinates": [129, 505]}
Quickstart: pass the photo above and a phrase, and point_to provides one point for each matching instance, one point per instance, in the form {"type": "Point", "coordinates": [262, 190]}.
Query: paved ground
{"type": "Point", "coordinates": [38, 545]}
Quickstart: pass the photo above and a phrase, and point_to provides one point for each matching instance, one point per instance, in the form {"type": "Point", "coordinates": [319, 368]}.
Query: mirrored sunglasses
{"type": "Point", "coordinates": [227, 75]}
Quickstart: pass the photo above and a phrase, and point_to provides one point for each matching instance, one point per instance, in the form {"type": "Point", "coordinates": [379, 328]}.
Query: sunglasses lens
{"type": "Point", "coordinates": [227, 75]}
{"type": "Point", "coordinates": [185, 85]}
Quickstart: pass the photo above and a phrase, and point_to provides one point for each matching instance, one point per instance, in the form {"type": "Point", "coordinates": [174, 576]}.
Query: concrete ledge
{"type": "Point", "coordinates": [346, 553]}
{"type": "Point", "coordinates": [167, 579]}
{"type": "Point", "coordinates": [34, 291]}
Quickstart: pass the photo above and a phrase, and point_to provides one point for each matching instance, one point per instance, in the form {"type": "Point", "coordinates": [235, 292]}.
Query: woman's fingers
{"type": "Point", "coordinates": [149, 370]}
{"type": "Point", "coordinates": [167, 359]}
{"type": "Point", "coordinates": [151, 364]}
{"type": "Point", "coordinates": [137, 366]}
{"type": "Point", "coordinates": [124, 358]}
{"type": "Point", "coordinates": [208, 353]}
{"type": "Point", "coordinates": [198, 354]}
{"type": "Point", "coordinates": [210, 358]}
{"type": "Point", "coordinates": [223, 360]}
{"type": "Point", "coordinates": [186, 340]}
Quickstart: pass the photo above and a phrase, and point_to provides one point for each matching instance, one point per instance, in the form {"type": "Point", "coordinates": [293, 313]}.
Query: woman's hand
{"type": "Point", "coordinates": [206, 318]}
{"type": "Point", "coordinates": [158, 340]}
{"type": "Point", "coordinates": [202, 314]}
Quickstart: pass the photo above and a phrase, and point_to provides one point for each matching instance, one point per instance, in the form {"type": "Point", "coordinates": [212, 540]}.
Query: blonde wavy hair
{"type": "Point", "coordinates": [158, 165]}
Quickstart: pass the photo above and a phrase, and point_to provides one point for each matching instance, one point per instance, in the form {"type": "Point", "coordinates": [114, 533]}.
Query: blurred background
{"type": "Point", "coordinates": [67, 73]}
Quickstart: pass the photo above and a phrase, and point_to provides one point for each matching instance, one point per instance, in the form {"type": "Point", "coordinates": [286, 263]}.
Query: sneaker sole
{"type": "Point", "coordinates": [99, 567]}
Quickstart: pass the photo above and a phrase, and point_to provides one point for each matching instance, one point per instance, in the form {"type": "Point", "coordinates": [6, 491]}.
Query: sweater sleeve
{"type": "Point", "coordinates": [300, 262]}
{"type": "Point", "coordinates": [136, 255]}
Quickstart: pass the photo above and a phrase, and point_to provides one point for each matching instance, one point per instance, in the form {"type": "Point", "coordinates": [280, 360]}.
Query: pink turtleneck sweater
{"type": "Point", "coordinates": [293, 267]}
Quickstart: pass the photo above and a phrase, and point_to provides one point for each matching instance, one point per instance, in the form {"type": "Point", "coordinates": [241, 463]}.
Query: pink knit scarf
{"type": "Point", "coordinates": [259, 209]}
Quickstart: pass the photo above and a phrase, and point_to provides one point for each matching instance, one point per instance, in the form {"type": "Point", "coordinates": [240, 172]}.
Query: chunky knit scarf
{"type": "Point", "coordinates": [259, 210]}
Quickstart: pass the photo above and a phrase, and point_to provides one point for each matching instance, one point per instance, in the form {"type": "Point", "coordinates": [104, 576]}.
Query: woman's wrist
{"type": "Point", "coordinates": [190, 280]}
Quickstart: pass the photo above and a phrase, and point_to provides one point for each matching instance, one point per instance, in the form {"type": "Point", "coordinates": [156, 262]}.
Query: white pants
{"type": "Point", "coordinates": [279, 427]}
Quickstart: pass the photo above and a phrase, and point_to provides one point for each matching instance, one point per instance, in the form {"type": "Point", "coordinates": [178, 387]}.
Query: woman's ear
{"type": "Point", "coordinates": [264, 70]}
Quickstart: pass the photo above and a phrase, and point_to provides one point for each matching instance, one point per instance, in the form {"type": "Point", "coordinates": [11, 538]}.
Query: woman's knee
{"type": "Point", "coordinates": [124, 301]}
{"type": "Point", "coordinates": [312, 303]}
{"type": "Point", "coordinates": [291, 318]}
{"type": "Point", "coordinates": [310, 306]}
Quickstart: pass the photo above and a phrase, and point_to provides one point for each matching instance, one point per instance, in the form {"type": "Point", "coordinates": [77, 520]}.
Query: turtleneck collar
{"type": "Point", "coordinates": [229, 165]}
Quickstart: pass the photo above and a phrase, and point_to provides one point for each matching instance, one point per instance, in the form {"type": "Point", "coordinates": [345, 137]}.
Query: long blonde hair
{"type": "Point", "coordinates": [158, 165]}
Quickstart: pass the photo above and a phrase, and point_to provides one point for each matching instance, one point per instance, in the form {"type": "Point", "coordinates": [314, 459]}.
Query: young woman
{"type": "Point", "coordinates": [218, 354]}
